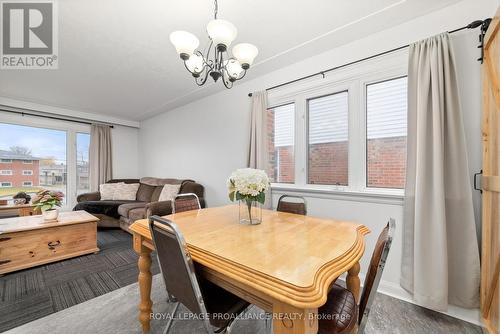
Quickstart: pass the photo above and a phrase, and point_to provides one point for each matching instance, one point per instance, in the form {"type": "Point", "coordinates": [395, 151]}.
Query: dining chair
{"type": "Point", "coordinates": [299, 208]}
{"type": "Point", "coordinates": [185, 202]}
{"type": "Point", "coordinates": [340, 314]}
{"type": "Point", "coordinates": [201, 297]}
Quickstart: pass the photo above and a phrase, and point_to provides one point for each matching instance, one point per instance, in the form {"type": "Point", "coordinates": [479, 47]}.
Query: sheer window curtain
{"type": "Point", "coordinates": [258, 155]}
{"type": "Point", "coordinates": [100, 155]}
{"type": "Point", "coordinates": [440, 264]}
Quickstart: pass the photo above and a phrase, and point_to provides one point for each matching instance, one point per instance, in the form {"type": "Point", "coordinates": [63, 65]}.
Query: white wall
{"type": "Point", "coordinates": [207, 139]}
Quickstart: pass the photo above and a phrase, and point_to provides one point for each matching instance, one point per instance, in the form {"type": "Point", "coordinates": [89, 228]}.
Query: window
{"type": "Point", "coordinates": [43, 149]}
{"type": "Point", "coordinates": [348, 130]}
{"type": "Point", "coordinates": [280, 123]}
{"type": "Point", "coordinates": [386, 121]}
{"type": "Point", "coordinates": [5, 172]}
{"type": "Point", "coordinates": [82, 162]}
{"type": "Point", "coordinates": [6, 161]}
{"type": "Point", "coordinates": [328, 144]}
{"type": "Point", "coordinates": [5, 184]}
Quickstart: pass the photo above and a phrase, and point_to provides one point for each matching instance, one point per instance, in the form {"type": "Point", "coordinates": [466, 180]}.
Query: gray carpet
{"type": "Point", "coordinates": [116, 313]}
{"type": "Point", "coordinates": [35, 293]}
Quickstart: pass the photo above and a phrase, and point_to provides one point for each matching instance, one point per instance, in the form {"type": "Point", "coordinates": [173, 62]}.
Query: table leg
{"type": "Point", "coordinates": [290, 320]}
{"type": "Point", "coordinates": [145, 280]}
{"type": "Point", "coordinates": [353, 282]}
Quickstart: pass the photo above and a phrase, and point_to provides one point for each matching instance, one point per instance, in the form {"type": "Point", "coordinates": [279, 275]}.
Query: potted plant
{"type": "Point", "coordinates": [248, 186]}
{"type": "Point", "coordinates": [48, 202]}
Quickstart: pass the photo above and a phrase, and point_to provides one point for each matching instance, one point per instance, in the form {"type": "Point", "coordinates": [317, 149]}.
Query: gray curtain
{"type": "Point", "coordinates": [100, 155]}
{"type": "Point", "coordinates": [258, 155]}
{"type": "Point", "coordinates": [440, 250]}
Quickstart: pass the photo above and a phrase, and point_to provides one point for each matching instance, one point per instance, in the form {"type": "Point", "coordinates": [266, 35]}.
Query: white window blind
{"type": "Point", "coordinates": [328, 118]}
{"type": "Point", "coordinates": [284, 125]}
{"type": "Point", "coordinates": [386, 104]}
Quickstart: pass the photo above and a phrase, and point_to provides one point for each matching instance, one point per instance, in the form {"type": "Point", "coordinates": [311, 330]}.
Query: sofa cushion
{"type": "Point", "coordinates": [124, 209]}
{"type": "Point", "coordinates": [155, 181]}
{"type": "Point", "coordinates": [107, 190]}
{"type": "Point", "coordinates": [156, 194]}
{"type": "Point", "coordinates": [169, 192]}
{"type": "Point", "coordinates": [145, 192]}
{"type": "Point", "coordinates": [136, 214]}
{"type": "Point", "coordinates": [126, 191]}
{"type": "Point", "coordinates": [108, 208]}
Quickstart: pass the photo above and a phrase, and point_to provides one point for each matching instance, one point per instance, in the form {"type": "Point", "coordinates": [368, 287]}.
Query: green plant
{"type": "Point", "coordinates": [47, 199]}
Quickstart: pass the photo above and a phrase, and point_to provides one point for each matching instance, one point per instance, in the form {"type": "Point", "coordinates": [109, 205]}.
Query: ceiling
{"type": "Point", "coordinates": [115, 57]}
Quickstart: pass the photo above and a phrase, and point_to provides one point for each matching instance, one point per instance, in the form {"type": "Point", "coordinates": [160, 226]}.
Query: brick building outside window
{"type": "Point", "coordinates": [18, 170]}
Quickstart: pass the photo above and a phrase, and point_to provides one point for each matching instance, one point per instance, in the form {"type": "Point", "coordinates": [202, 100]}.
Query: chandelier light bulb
{"type": "Point", "coordinates": [233, 68]}
{"type": "Point", "coordinates": [185, 43]}
{"type": "Point", "coordinates": [245, 53]}
{"type": "Point", "coordinates": [222, 33]}
{"type": "Point", "coordinates": [195, 64]}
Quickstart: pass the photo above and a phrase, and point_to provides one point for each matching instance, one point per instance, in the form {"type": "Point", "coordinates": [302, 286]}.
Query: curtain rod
{"type": "Point", "coordinates": [478, 23]}
{"type": "Point", "coordinates": [29, 112]}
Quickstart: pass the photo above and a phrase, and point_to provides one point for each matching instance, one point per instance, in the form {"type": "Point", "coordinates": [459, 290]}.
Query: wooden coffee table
{"type": "Point", "coordinates": [30, 241]}
{"type": "Point", "coordinates": [20, 209]}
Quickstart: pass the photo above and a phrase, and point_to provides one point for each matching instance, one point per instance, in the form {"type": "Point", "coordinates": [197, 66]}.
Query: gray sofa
{"type": "Point", "coordinates": [114, 213]}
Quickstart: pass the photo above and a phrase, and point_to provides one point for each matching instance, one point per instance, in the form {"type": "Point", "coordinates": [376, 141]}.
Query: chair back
{"type": "Point", "coordinates": [176, 266]}
{"type": "Point", "coordinates": [299, 208]}
{"type": "Point", "coordinates": [185, 202]}
{"type": "Point", "coordinates": [372, 280]}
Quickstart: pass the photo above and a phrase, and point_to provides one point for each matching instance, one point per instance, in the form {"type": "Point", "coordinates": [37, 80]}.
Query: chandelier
{"type": "Point", "coordinates": [215, 60]}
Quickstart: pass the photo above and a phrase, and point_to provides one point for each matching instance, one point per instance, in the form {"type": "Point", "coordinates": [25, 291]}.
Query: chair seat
{"type": "Point", "coordinates": [220, 302]}
{"type": "Point", "coordinates": [340, 313]}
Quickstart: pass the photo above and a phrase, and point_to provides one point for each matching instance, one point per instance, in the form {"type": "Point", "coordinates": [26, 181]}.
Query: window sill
{"type": "Point", "coordinates": [383, 196]}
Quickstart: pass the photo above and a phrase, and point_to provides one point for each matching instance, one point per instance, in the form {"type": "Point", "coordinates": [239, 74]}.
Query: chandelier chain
{"type": "Point", "coordinates": [216, 9]}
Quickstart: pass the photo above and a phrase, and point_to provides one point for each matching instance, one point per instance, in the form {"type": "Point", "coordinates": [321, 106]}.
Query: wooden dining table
{"type": "Point", "coordinates": [285, 265]}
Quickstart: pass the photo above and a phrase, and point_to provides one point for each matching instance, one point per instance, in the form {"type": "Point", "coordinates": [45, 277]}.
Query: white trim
{"type": "Point", "coordinates": [5, 161]}
{"type": "Point", "coordinates": [61, 111]}
{"type": "Point", "coordinates": [9, 184]}
{"type": "Point", "coordinates": [30, 172]}
{"type": "Point", "coordinates": [3, 172]}
{"type": "Point", "coordinates": [338, 193]}
{"type": "Point", "coordinates": [28, 185]}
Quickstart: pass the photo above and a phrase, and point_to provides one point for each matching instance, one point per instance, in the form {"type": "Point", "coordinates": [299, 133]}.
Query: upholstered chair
{"type": "Point", "coordinates": [297, 206]}
{"type": "Point", "coordinates": [185, 202]}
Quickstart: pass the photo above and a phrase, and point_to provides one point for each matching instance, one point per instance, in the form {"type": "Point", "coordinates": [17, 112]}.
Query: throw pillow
{"type": "Point", "coordinates": [169, 191]}
{"type": "Point", "coordinates": [126, 192]}
{"type": "Point", "coordinates": [107, 190]}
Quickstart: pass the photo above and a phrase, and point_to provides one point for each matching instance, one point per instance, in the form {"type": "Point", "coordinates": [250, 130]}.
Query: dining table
{"type": "Point", "coordinates": [285, 265]}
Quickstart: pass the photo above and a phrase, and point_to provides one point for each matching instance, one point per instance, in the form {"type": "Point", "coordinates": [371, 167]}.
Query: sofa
{"type": "Point", "coordinates": [121, 213]}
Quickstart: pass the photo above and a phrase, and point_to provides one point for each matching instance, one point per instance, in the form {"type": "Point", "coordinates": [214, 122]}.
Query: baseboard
{"type": "Point", "coordinates": [396, 291]}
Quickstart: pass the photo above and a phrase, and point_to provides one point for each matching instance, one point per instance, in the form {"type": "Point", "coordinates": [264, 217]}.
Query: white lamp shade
{"type": "Point", "coordinates": [221, 32]}
{"type": "Point", "coordinates": [245, 53]}
{"type": "Point", "coordinates": [195, 63]}
{"type": "Point", "coordinates": [184, 42]}
{"type": "Point", "coordinates": [233, 68]}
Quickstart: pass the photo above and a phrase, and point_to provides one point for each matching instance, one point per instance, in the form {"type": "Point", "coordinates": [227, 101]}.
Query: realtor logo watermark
{"type": "Point", "coordinates": [28, 35]}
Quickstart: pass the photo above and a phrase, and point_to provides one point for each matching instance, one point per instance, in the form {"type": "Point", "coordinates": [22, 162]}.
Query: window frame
{"type": "Point", "coordinates": [6, 161]}
{"type": "Point", "coordinates": [354, 79]}
{"type": "Point", "coordinates": [30, 184]}
{"type": "Point", "coordinates": [6, 170]}
{"type": "Point", "coordinates": [27, 162]}
{"type": "Point", "coordinates": [27, 170]}
{"type": "Point", "coordinates": [71, 130]}
{"type": "Point", "coordinates": [2, 184]}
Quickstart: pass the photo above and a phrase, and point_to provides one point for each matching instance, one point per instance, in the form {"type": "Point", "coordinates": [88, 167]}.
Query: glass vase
{"type": "Point", "coordinates": [250, 212]}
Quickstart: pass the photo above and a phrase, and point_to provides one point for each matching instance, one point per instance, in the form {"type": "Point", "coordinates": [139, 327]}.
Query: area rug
{"type": "Point", "coordinates": [35, 293]}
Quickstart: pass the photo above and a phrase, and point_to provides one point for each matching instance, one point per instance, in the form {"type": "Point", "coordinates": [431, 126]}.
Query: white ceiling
{"type": "Point", "coordinates": [115, 57]}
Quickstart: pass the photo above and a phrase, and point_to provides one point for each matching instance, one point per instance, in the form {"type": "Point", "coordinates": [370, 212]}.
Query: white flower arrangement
{"type": "Point", "coordinates": [248, 184]}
